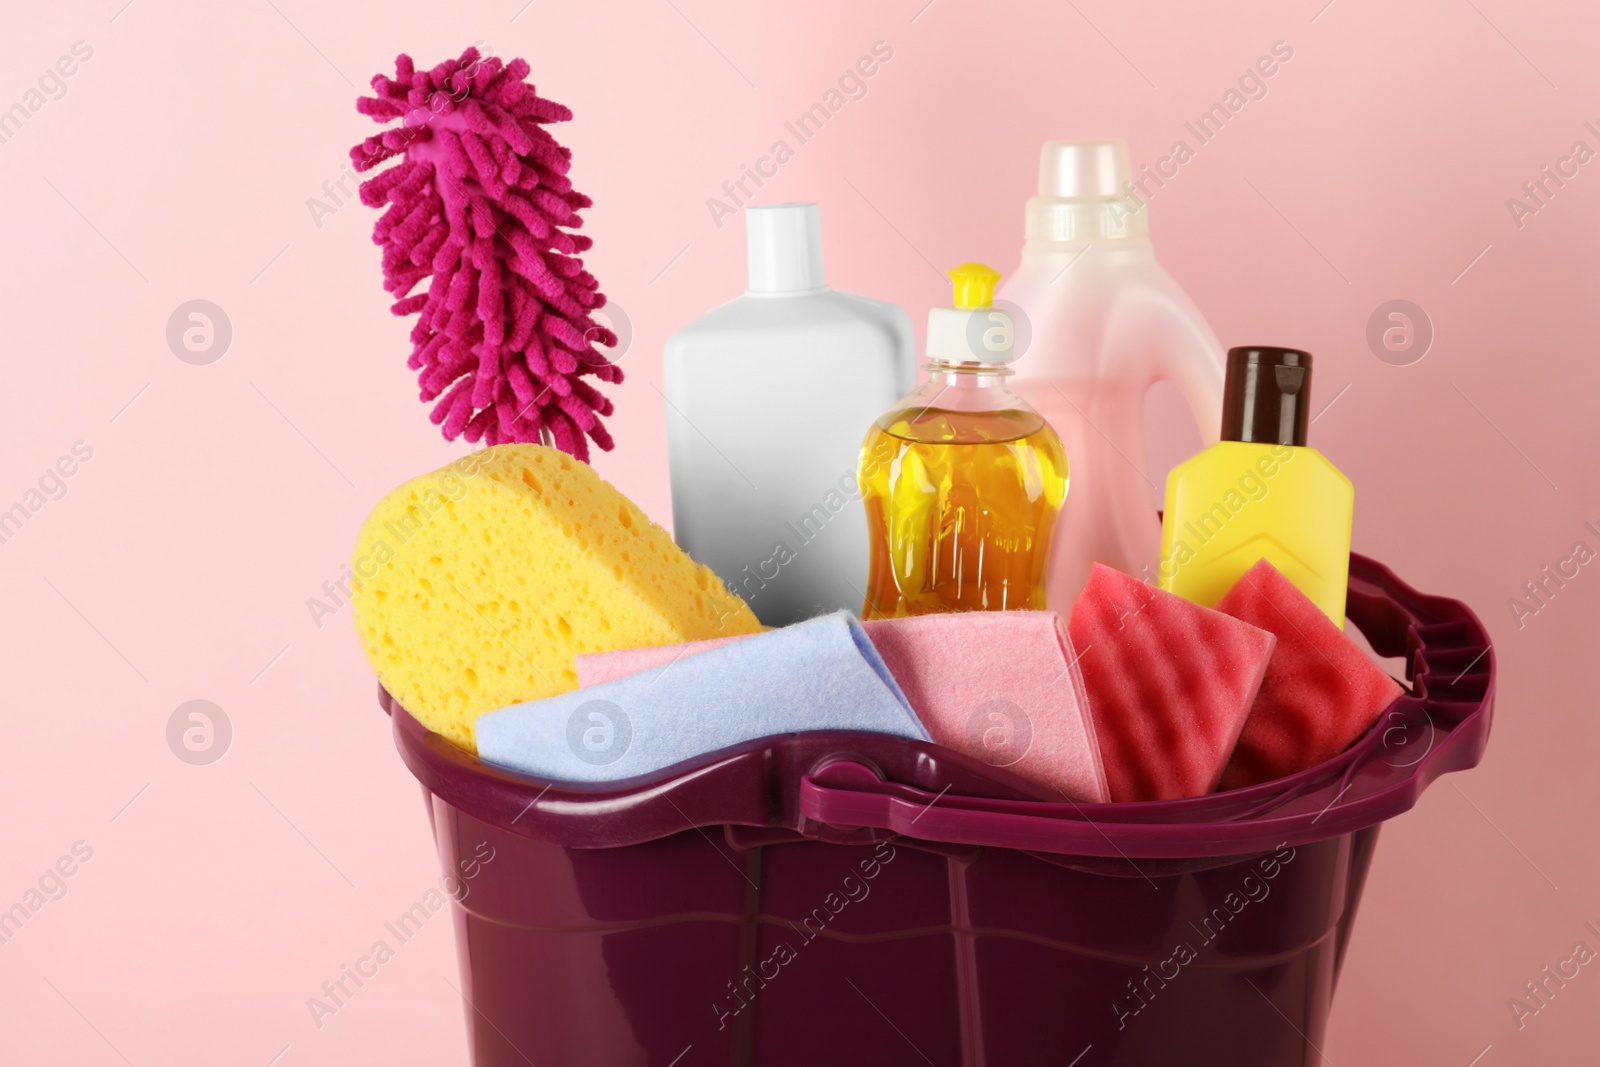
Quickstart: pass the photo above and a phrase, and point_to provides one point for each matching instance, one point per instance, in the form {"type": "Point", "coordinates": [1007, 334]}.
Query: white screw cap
{"type": "Point", "coordinates": [785, 244]}
{"type": "Point", "coordinates": [1076, 170]}
{"type": "Point", "coordinates": [1083, 194]}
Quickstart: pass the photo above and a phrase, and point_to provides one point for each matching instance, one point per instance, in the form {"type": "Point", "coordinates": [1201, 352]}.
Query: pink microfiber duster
{"type": "Point", "coordinates": [480, 201]}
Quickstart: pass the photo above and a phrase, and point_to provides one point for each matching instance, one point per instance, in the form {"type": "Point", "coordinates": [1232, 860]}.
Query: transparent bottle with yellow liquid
{"type": "Point", "coordinates": [962, 480]}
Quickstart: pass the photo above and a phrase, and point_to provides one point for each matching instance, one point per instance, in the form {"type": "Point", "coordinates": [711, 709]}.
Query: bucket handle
{"type": "Point", "coordinates": [919, 815]}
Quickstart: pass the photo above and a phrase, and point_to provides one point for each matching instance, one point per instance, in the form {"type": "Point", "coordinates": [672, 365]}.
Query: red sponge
{"type": "Point", "coordinates": [1170, 684]}
{"type": "Point", "coordinates": [1321, 691]}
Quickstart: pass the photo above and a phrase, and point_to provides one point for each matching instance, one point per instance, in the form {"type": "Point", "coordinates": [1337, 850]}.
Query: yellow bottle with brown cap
{"type": "Point", "coordinates": [1259, 493]}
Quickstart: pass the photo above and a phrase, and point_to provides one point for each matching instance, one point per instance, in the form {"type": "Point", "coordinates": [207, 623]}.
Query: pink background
{"type": "Point", "coordinates": [219, 498]}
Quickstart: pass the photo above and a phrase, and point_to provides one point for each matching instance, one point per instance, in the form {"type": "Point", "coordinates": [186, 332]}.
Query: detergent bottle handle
{"type": "Point", "coordinates": [1189, 355]}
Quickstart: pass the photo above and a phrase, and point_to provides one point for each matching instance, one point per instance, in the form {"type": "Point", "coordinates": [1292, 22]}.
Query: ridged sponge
{"type": "Point", "coordinates": [476, 585]}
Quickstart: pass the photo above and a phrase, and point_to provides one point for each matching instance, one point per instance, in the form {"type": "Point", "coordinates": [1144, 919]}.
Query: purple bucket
{"type": "Point", "coordinates": [854, 898]}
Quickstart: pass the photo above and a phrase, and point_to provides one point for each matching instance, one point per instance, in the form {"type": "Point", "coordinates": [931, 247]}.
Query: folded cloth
{"type": "Point", "coordinates": [1001, 686]}
{"type": "Point", "coordinates": [823, 674]}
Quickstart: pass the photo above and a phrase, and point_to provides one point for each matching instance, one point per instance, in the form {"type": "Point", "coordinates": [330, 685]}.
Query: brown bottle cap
{"type": "Point", "coordinates": [1267, 397]}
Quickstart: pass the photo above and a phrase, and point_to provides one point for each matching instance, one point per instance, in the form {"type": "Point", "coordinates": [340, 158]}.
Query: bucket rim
{"type": "Point", "coordinates": [860, 787]}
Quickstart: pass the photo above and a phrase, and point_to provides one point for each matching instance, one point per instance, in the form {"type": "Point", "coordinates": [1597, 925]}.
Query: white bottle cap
{"type": "Point", "coordinates": [1083, 193]}
{"type": "Point", "coordinates": [971, 335]}
{"type": "Point", "coordinates": [785, 242]}
{"type": "Point", "coordinates": [1082, 169]}
{"type": "Point", "coordinates": [974, 331]}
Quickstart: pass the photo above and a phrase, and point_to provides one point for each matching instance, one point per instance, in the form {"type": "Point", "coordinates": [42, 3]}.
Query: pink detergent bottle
{"type": "Point", "coordinates": [1104, 323]}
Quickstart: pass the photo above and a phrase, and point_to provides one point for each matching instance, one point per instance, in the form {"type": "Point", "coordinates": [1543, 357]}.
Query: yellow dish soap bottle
{"type": "Point", "coordinates": [962, 480]}
{"type": "Point", "coordinates": [1259, 493]}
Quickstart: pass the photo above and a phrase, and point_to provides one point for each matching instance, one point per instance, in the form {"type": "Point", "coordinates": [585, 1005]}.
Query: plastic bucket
{"type": "Point", "coordinates": [852, 898]}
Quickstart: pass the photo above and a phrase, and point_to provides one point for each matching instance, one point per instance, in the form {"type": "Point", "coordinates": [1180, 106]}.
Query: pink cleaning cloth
{"type": "Point", "coordinates": [1000, 686]}
{"type": "Point", "coordinates": [597, 667]}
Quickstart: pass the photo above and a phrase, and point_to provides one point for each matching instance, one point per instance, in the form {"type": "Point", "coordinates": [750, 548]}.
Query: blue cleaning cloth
{"type": "Point", "coordinates": [823, 674]}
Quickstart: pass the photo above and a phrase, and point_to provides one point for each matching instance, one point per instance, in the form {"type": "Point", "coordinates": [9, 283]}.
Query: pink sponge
{"type": "Point", "coordinates": [1321, 691]}
{"type": "Point", "coordinates": [1170, 684]}
{"type": "Point", "coordinates": [480, 202]}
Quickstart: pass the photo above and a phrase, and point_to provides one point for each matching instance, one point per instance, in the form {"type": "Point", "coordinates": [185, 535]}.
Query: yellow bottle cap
{"type": "Point", "coordinates": [974, 284]}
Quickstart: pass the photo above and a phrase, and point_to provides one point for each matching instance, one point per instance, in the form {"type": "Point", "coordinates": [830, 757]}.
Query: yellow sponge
{"type": "Point", "coordinates": [477, 584]}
